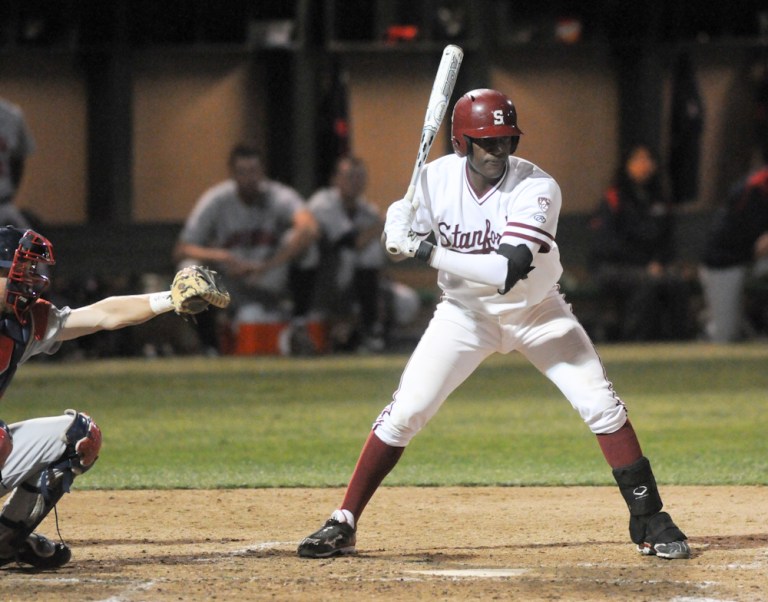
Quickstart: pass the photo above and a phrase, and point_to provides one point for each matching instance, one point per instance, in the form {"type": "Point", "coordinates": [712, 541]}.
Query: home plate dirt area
{"type": "Point", "coordinates": [445, 543]}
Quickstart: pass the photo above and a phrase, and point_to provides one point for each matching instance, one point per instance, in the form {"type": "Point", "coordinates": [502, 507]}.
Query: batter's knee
{"type": "Point", "coordinates": [393, 435]}
{"type": "Point", "coordinates": [397, 428]}
{"type": "Point", "coordinates": [608, 420]}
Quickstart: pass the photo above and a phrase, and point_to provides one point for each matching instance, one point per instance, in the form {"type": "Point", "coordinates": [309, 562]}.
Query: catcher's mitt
{"type": "Point", "coordinates": [194, 288]}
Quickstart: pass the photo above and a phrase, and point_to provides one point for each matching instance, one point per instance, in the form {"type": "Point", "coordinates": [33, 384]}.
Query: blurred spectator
{"type": "Point", "coordinates": [16, 143]}
{"type": "Point", "coordinates": [736, 250]}
{"type": "Point", "coordinates": [348, 290]}
{"type": "Point", "coordinates": [252, 230]}
{"type": "Point", "coordinates": [632, 255]}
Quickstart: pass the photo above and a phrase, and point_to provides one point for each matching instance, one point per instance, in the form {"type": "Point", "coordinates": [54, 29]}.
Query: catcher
{"type": "Point", "coordinates": [40, 457]}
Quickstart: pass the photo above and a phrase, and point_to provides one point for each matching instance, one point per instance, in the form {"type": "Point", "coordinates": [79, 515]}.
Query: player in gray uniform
{"type": "Point", "coordinates": [16, 143]}
{"type": "Point", "coordinates": [251, 228]}
{"type": "Point", "coordinates": [494, 219]}
{"type": "Point", "coordinates": [40, 457]}
{"type": "Point", "coordinates": [352, 256]}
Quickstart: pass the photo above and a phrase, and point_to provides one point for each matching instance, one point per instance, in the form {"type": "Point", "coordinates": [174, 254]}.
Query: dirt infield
{"type": "Point", "coordinates": [414, 543]}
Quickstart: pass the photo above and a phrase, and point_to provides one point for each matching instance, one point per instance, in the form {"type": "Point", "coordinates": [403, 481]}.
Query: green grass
{"type": "Point", "coordinates": [700, 411]}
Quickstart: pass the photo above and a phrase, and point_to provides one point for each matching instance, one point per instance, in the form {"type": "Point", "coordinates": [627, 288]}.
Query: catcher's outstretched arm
{"type": "Point", "coordinates": [113, 313]}
{"type": "Point", "coordinates": [194, 288]}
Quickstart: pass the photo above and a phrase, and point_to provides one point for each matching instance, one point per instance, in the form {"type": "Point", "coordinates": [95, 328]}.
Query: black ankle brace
{"type": "Point", "coordinates": [638, 487]}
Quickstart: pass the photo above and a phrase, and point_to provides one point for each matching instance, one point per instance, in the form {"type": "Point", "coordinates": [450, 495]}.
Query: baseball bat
{"type": "Point", "coordinates": [442, 88]}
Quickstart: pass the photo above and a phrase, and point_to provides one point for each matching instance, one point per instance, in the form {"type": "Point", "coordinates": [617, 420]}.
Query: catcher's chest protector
{"type": "Point", "coordinates": [13, 342]}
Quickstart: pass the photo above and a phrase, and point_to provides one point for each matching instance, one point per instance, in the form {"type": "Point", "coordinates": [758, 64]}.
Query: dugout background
{"type": "Point", "coordinates": [134, 106]}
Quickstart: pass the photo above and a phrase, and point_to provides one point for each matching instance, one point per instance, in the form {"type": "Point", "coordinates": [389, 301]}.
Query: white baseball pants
{"type": "Point", "coordinates": [457, 341]}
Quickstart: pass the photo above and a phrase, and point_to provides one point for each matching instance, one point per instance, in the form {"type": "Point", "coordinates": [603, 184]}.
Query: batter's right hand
{"type": "Point", "coordinates": [6, 443]}
{"type": "Point", "coordinates": [399, 220]}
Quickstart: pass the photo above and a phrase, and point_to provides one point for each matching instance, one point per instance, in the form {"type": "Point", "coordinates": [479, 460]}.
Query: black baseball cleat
{"type": "Point", "coordinates": [41, 553]}
{"type": "Point", "coordinates": [334, 538]}
{"type": "Point", "coordinates": [674, 550]}
{"type": "Point", "coordinates": [663, 538]}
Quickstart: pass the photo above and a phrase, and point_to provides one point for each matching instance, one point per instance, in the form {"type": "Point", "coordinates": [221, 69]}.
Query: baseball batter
{"type": "Point", "coordinates": [494, 221]}
{"type": "Point", "coordinates": [39, 458]}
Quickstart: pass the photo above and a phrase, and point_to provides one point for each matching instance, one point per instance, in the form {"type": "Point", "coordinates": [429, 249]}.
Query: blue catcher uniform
{"type": "Point", "coordinates": [39, 458]}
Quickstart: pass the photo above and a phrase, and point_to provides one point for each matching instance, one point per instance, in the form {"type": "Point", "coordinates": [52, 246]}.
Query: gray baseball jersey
{"type": "Point", "coordinates": [251, 232]}
{"type": "Point", "coordinates": [335, 222]}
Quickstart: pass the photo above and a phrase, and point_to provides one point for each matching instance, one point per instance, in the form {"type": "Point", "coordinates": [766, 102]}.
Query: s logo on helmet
{"type": "Point", "coordinates": [498, 117]}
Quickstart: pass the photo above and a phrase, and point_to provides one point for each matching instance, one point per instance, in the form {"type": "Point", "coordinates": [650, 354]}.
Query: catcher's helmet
{"type": "Point", "coordinates": [483, 113]}
{"type": "Point", "coordinates": [20, 252]}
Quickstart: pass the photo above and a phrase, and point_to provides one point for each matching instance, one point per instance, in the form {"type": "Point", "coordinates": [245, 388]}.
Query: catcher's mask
{"type": "Point", "coordinates": [21, 252]}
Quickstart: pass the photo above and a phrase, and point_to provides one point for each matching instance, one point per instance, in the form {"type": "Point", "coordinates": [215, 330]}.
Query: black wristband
{"type": "Point", "coordinates": [424, 252]}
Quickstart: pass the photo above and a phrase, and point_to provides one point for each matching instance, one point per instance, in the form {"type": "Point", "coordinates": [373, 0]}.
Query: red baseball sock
{"type": "Point", "coordinates": [621, 448]}
{"type": "Point", "coordinates": [376, 461]}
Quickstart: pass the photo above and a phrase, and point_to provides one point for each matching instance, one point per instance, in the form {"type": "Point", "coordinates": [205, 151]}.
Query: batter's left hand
{"type": "Point", "coordinates": [414, 246]}
{"type": "Point", "coordinates": [410, 244]}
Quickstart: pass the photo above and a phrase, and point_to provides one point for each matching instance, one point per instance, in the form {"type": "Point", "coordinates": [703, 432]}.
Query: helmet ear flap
{"type": "Point", "coordinates": [460, 145]}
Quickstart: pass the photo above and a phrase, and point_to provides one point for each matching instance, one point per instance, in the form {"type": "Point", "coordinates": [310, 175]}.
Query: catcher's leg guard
{"type": "Point", "coordinates": [647, 524]}
{"type": "Point", "coordinates": [31, 501]}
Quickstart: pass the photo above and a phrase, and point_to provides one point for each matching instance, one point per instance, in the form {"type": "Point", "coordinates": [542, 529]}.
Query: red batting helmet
{"type": "Point", "coordinates": [482, 113]}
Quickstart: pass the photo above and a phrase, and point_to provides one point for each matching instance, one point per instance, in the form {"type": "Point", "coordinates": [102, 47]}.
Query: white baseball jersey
{"type": "Point", "coordinates": [473, 320]}
{"type": "Point", "coordinates": [523, 208]}
{"type": "Point", "coordinates": [15, 141]}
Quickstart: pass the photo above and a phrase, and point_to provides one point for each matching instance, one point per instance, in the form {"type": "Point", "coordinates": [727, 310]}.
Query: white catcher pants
{"type": "Point", "coordinates": [457, 341]}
